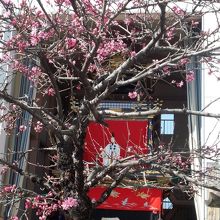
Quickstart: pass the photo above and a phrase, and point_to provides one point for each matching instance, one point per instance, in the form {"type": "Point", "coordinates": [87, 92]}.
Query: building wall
{"type": "Point", "coordinates": [205, 131]}
{"type": "Point", "coordinates": [174, 97]}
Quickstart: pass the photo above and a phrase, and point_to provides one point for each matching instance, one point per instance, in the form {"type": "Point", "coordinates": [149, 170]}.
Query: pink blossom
{"type": "Point", "coordinates": [71, 42]}
{"type": "Point", "coordinates": [92, 68]}
{"type": "Point", "coordinates": [184, 61]}
{"type": "Point", "coordinates": [19, 67]}
{"type": "Point", "coordinates": [109, 48]}
{"type": "Point", "coordinates": [133, 53]}
{"type": "Point", "coordinates": [178, 11]}
{"type": "Point", "coordinates": [43, 35]}
{"type": "Point", "coordinates": [22, 128]}
{"type": "Point", "coordinates": [3, 170]}
{"type": "Point", "coordinates": [166, 70]}
{"type": "Point", "coordinates": [155, 211]}
{"type": "Point", "coordinates": [14, 21]}
{"type": "Point", "coordinates": [2, 106]}
{"type": "Point", "coordinates": [28, 204]}
{"type": "Point", "coordinates": [194, 23]}
{"type": "Point", "coordinates": [50, 92]}
{"type": "Point", "coordinates": [50, 194]}
{"type": "Point", "coordinates": [78, 87]}
{"type": "Point", "coordinates": [14, 107]}
{"type": "Point", "coordinates": [67, 2]}
{"type": "Point", "coordinates": [7, 1]}
{"type": "Point", "coordinates": [170, 33]}
{"type": "Point", "coordinates": [34, 40]}
{"type": "Point", "coordinates": [15, 163]}
{"type": "Point", "coordinates": [43, 217]}
{"type": "Point", "coordinates": [93, 200]}
{"type": "Point", "coordinates": [34, 37]}
{"type": "Point", "coordinates": [14, 218]}
{"type": "Point", "coordinates": [9, 188]}
{"type": "Point", "coordinates": [180, 84]}
{"type": "Point", "coordinates": [43, 205]}
{"type": "Point", "coordinates": [22, 45]}
{"type": "Point", "coordinates": [132, 95]}
{"type": "Point", "coordinates": [37, 198]}
{"type": "Point", "coordinates": [128, 21]}
{"type": "Point", "coordinates": [35, 70]}
{"type": "Point", "coordinates": [69, 203]}
{"type": "Point", "coordinates": [190, 76]}
{"type": "Point", "coordinates": [39, 127]}
{"type": "Point", "coordinates": [6, 14]}
{"type": "Point", "coordinates": [34, 73]}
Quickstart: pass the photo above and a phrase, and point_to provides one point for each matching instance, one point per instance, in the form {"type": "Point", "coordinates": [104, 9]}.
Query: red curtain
{"type": "Point", "coordinates": [144, 199]}
{"type": "Point", "coordinates": [129, 135]}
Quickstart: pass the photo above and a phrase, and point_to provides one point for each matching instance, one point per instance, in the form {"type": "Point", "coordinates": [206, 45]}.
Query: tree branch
{"type": "Point", "coordinates": [111, 113]}
{"type": "Point", "coordinates": [34, 178]}
{"type": "Point", "coordinates": [45, 65]}
{"type": "Point", "coordinates": [108, 191]}
{"type": "Point", "coordinates": [46, 122]}
{"type": "Point", "coordinates": [48, 17]}
{"type": "Point", "coordinates": [188, 178]}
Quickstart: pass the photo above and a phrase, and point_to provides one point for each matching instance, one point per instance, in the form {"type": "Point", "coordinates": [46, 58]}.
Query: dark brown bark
{"type": "Point", "coordinates": [72, 180]}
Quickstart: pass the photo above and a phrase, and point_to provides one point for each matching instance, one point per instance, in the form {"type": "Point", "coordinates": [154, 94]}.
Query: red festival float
{"type": "Point", "coordinates": [120, 139]}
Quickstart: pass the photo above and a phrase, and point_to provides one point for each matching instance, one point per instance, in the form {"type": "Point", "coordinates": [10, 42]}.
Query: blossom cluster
{"type": "Point", "coordinates": [46, 205]}
{"type": "Point", "coordinates": [50, 91]}
{"type": "Point", "coordinates": [178, 11]}
{"type": "Point", "coordinates": [3, 169]}
{"type": "Point", "coordinates": [132, 95]}
{"type": "Point", "coordinates": [68, 203]}
{"type": "Point", "coordinates": [14, 218]}
{"type": "Point", "coordinates": [109, 48]}
{"type": "Point", "coordinates": [9, 116]}
{"type": "Point", "coordinates": [38, 127]}
{"type": "Point", "coordinates": [8, 189]}
{"type": "Point", "coordinates": [176, 161]}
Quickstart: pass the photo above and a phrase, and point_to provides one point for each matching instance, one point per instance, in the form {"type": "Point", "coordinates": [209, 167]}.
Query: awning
{"type": "Point", "coordinates": [144, 199]}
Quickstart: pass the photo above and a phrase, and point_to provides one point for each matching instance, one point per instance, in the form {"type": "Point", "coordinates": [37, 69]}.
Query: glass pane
{"type": "Point", "coordinates": [167, 204]}
{"type": "Point", "coordinates": [167, 116]}
{"type": "Point", "coordinates": [167, 124]}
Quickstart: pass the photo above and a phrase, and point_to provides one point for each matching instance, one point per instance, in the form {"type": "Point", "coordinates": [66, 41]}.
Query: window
{"type": "Point", "coordinates": [167, 204]}
{"type": "Point", "coordinates": [167, 124]}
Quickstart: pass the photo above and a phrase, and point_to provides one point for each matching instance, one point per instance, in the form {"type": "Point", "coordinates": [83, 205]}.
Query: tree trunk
{"type": "Point", "coordinates": [71, 165]}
